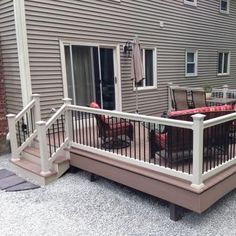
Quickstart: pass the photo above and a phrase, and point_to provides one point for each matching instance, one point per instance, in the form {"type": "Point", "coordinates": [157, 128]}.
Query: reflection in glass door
{"type": "Point", "coordinates": [90, 75]}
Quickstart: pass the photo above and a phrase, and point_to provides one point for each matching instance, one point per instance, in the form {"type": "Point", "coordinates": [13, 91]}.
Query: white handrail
{"type": "Point", "coordinates": [22, 112]}
{"type": "Point", "coordinates": [55, 116]}
{"type": "Point", "coordinates": [219, 120]}
{"type": "Point", "coordinates": [136, 117]}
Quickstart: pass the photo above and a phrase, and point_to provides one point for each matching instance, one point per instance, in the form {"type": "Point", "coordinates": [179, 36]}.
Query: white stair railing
{"type": "Point", "coordinates": [54, 136]}
{"type": "Point", "coordinates": [22, 127]}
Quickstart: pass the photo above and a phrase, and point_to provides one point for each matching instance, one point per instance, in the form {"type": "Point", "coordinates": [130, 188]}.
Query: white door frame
{"type": "Point", "coordinates": [116, 59]}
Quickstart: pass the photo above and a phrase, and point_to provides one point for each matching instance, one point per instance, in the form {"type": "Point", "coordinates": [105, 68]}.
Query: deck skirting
{"type": "Point", "coordinates": [173, 190]}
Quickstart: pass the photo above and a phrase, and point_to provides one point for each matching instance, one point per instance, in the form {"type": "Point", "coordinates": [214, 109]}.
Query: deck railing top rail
{"type": "Point", "coordinates": [22, 127]}
{"type": "Point", "coordinates": [136, 117]}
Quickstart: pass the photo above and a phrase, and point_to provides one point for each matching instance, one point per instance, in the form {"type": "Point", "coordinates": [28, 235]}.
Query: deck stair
{"type": "Point", "coordinates": [29, 166]}
{"type": "Point", "coordinates": [39, 148]}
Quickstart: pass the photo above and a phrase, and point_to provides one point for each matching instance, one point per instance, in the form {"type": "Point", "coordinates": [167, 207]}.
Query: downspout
{"type": "Point", "coordinates": [22, 49]}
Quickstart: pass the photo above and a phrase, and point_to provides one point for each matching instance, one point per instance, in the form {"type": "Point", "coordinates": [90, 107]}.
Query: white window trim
{"type": "Point", "coordinates": [228, 66]}
{"type": "Point", "coordinates": [191, 3]}
{"type": "Point", "coordinates": [195, 60]}
{"type": "Point", "coordinates": [228, 7]}
{"type": "Point", "coordinates": [154, 71]}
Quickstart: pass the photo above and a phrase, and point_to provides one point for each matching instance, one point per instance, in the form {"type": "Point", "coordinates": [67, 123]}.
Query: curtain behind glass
{"type": "Point", "coordinates": [83, 75]}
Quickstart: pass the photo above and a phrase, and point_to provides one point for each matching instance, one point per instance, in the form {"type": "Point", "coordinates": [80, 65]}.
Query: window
{"type": "Point", "coordinates": [224, 6]}
{"type": "Point", "coordinates": [191, 2]}
{"type": "Point", "coordinates": [223, 63]}
{"type": "Point", "coordinates": [149, 65]}
{"type": "Point", "coordinates": [191, 63]}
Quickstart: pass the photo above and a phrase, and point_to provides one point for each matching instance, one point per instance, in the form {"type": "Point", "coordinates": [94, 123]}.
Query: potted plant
{"type": "Point", "coordinates": [208, 90]}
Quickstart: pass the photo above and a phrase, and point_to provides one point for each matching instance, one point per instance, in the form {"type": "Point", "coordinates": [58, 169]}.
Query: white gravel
{"type": "Point", "coordinates": [75, 206]}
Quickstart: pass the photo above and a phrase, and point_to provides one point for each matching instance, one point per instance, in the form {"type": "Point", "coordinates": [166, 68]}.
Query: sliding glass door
{"type": "Point", "coordinates": [90, 75]}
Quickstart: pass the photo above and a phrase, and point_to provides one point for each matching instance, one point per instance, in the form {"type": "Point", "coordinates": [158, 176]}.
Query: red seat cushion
{"type": "Point", "coordinates": [161, 139]}
{"type": "Point", "coordinates": [95, 105]}
{"type": "Point", "coordinates": [201, 110]}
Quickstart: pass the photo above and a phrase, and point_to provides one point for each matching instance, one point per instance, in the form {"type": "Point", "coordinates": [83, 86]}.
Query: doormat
{"type": "Point", "coordinates": [10, 182]}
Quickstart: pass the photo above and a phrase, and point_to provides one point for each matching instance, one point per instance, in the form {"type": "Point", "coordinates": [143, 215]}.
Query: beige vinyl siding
{"type": "Point", "coordinates": [10, 57]}
{"type": "Point", "coordinates": [102, 21]}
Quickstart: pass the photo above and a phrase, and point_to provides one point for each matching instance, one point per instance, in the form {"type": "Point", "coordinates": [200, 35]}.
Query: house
{"type": "Point", "coordinates": [80, 49]}
{"type": "Point", "coordinates": [76, 49]}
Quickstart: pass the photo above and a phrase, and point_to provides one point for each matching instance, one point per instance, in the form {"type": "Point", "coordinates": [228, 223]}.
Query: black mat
{"type": "Point", "coordinates": [11, 182]}
{"type": "Point", "coordinates": [21, 187]}
{"type": "Point", "coordinates": [5, 173]}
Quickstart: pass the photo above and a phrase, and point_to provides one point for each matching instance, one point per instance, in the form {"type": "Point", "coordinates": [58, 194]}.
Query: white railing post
{"type": "Point", "coordinates": [43, 148]}
{"type": "Point", "coordinates": [225, 90]}
{"type": "Point", "coordinates": [198, 130]}
{"type": "Point", "coordinates": [13, 139]}
{"type": "Point", "coordinates": [68, 120]}
{"type": "Point", "coordinates": [170, 105]}
{"type": "Point", "coordinates": [37, 111]}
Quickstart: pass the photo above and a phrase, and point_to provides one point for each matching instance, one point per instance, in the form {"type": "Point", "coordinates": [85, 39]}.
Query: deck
{"type": "Point", "coordinates": [201, 172]}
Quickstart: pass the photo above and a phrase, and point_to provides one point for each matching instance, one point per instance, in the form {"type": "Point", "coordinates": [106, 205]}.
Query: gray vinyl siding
{"type": "Point", "coordinates": [10, 57]}
{"type": "Point", "coordinates": [106, 21]}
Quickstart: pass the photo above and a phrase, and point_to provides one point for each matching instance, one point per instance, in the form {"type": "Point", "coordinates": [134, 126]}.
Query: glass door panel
{"type": "Point", "coordinates": [90, 75]}
{"type": "Point", "coordinates": [107, 76]}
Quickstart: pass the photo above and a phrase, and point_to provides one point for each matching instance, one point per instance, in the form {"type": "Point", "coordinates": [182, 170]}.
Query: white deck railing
{"type": "Point", "coordinates": [16, 122]}
{"type": "Point", "coordinates": [196, 176]}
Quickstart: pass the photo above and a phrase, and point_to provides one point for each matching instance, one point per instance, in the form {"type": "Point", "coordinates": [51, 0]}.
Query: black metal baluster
{"type": "Point", "coordinates": [27, 127]}
{"type": "Point", "coordinates": [112, 131]}
{"type": "Point", "coordinates": [23, 126]}
{"type": "Point", "coordinates": [49, 142]}
{"type": "Point", "coordinates": [54, 140]}
{"type": "Point", "coordinates": [58, 133]}
{"type": "Point", "coordinates": [126, 140]}
{"type": "Point", "coordinates": [123, 135]}
{"type": "Point", "coordinates": [130, 146]}
{"type": "Point", "coordinates": [144, 143]}
{"type": "Point", "coordinates": [77, 120]}
{"type": "Point", "coordinates": [19, 132]}
{"type": "Point", "coordinates": [82, 123]}
{"type": "Point", "coordinates": [135, 139]}
{"type": "Point", "coordinates": [86, 128]}
{"type": "Point", "coordinates": [93, 130]}
{"type": "Point", "coordinates": [154, 142]}
{"type": "Point", "coordinates": [32, 120]}
{"type": "Point", "coordinates": [63, 129]}
{"type": "Point", "coordinates": [139, 139]}
{"type": "Point", "coordinates": [73, 128]}
{"type": "Point", "coordinates": [90, 132]}
{"type": "Point", "coordinates": [117, 134]}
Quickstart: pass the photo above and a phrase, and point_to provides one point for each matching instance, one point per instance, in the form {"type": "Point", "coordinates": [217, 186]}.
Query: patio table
{"type": "Point", "coordinates": [154, 127]}
{"type": "Point", "coordinates": [221, 101]}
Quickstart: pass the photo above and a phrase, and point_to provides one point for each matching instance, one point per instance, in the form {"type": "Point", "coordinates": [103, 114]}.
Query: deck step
{"type": "Point", "coordinates": [60, 159]}
{"type": "Point", "coordinates": [32, 167]}
{"type": "Point", "coordinates": [32, 151]}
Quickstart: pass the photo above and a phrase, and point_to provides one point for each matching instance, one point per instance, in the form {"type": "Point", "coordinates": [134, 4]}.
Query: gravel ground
{"type": "Point", "coordinates": [75, 206]}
